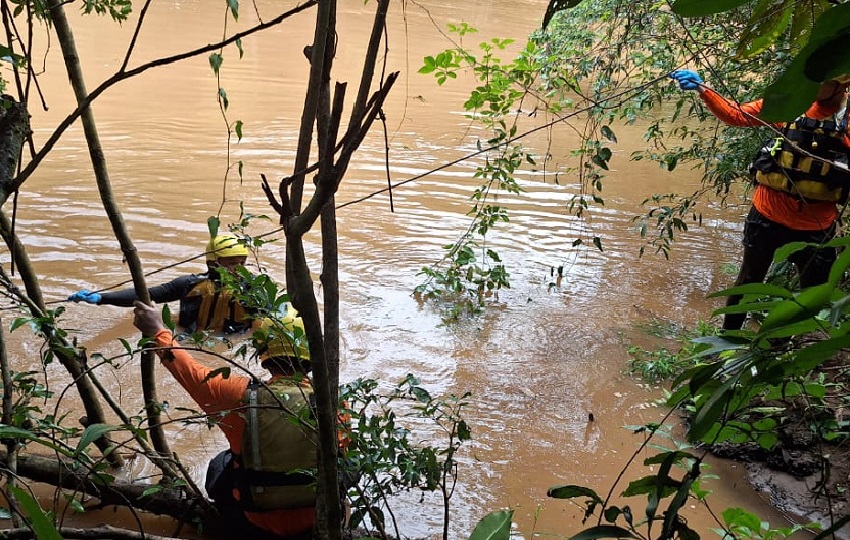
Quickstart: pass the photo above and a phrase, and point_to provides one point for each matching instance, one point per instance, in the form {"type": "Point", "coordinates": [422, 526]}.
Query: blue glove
{"type": "Point", "coordinates": [687, 79]}
{"type": "Point", "coordinates": [85, 296]}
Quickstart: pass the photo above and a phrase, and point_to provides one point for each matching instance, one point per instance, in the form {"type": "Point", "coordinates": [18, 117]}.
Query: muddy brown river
{"type": "Point", "coordinates": [538, 361]}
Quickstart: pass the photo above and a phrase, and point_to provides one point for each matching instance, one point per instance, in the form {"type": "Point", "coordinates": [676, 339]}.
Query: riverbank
{"type": "Point", "coordinates": [805, 478]}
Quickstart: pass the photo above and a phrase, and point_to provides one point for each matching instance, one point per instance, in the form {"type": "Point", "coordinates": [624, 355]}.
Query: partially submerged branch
{"type": "Point", "coordinates": [104, 531]}
{"type": "Point", "coordinates": [62, 473]}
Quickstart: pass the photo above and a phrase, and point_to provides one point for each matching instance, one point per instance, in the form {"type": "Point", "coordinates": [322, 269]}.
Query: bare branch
{"type": "Point", "coordinates": [123, 75]}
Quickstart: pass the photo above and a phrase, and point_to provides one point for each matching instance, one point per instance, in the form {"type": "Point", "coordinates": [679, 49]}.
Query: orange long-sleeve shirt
{"type": "Point", "coordinates": [775, 205]}
{"type": "Point", "coordinates": [218, 395]}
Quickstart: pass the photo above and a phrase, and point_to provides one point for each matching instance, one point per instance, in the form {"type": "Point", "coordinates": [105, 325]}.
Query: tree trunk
{"type": "Point", "coordinates": [14, 129]}
{"type": "Point", "coordinates": [75, 74]}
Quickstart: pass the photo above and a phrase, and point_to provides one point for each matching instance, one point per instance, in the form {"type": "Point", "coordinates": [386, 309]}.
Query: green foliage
{"type": "Point", "coordinates": [738, 371]}
{"type": "Point", "coordinates": [662, 364]}
{"type": "Point", "coordinates": [470, 270]}
{"type": "Point", "coordinates": [40, 521]}
{"type": "Point", "coordinates": [664, 485]}
{"type": "Point", "coordinates": [119, 10]}
{"type": "Point", "coordinates": [742, 524]}
{"type": "Point", "coordinates": [383, 459]}
{"type": "Point", "coordinates": [817, 31]}
{"type": "Point", "coordinates": [493, 526]}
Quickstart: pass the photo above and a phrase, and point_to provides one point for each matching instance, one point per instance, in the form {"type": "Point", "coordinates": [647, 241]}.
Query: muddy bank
{"type": "Point", "coordinates": [806, 479]}
{"type": "Point", "coordinates": [803, 499]}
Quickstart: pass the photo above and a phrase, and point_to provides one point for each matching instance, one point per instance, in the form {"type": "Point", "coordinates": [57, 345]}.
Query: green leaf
{"type": "Point", "coordinates": [239, 47]}
{"type": "Point", "coordinates": [612, 513]}
{"type": "Point", "coordinates": [650, 484]}
{"type": "Point", "coordinates": [573, 491]}
{"type": "Point", "coordinates": [677, 456]}
{"type": "Point", "coordinates": [598, 243]}
{"type": "Point", "coordinates": [151, 490]}
{"type": "Point", "coordinates": [213, 224]}
{"type": "Point", "coordinates": [238, 129]}
{"type": "Point", "coordinates": [701, 8]}
{"type": "Point", "coordinates": [739, 517]}
{"type": "Point", "coordinates": [11, 432]}
{"type": "Point", "coordinates": [602, 531]}
{"type": "Point", "coordinates": [805, 15]}
{"type": "Point", "coordinates": [93, 433]}
{"type": "Point", "coordinates": [766, 25]}
{"type": "Point", "coordinates": [75, 504]}
{"type": "Point", "coordinates": [807, 304]}
{"type": "Point", "coordinates": [234, 8]}
{"type": "Point", "coordinates": [762, 289]}
{"type": "Point", "coordinates": [37, 518]}
{"type": "Point", "coordinates": [215, 62]}
{"type": "Point", "coordinates": [430, 65]}
{"type": "Point", "coordinates": [830, 60]}
{"type": "Point", "coordinates": [494, 526]}
{"type": "Point", "coordinates": [599, 161]}
{"type": "Point", "coordinates": [18, 322]}
{"type": "Point", "coordinates": [793, 92]}
{"type": "Point", "coordinates": [223, 371]}
{"type": "Point", "coordinates": [223, 95]}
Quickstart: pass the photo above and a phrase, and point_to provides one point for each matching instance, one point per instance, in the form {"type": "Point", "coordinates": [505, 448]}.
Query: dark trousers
{"type": "Point", "coordinates": [219, 483]}
{"type": "Point", "coordinates": [762, 237]}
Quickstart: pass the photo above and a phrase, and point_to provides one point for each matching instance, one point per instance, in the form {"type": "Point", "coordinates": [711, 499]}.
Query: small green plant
{"type": "Point", "coordinates": [383, 456]}
{"type": "Point", "coordinates": [662, 364]}
{"type": "Point", "coordinates": [741, 524]}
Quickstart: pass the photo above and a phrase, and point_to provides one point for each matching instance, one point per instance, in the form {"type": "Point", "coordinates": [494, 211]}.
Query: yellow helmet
{"type": "Point", "coordinates": [282, 337]}
{"type": "Point", "coordinates": [226, 245]}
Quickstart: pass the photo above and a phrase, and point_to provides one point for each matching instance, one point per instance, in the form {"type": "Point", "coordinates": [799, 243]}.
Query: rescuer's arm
{"type": "Point", "coordinates": [212, 392]}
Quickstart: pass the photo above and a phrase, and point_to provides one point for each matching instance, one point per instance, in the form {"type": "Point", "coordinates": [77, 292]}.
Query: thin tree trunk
{"type": "Point", "coordinates": [8, 414]}
{"type": "Point", "coordinates": [14, 129]}
{"type": "Point", "coordinates": [75, 74]}
{"type": "Point", "coordinates": [61, 348]}
{"type": "Point", "coordinates": [325, 14]}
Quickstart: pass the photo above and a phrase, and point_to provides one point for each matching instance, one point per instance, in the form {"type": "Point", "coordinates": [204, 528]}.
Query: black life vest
{"type": "Point", "coordinates": [279, 455]}
{"type": "Point", "coordinates": [818, 173]}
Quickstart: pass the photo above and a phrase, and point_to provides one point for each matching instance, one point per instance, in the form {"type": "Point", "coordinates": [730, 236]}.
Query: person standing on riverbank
{"type": "Point", "coordinates": [796, 197]}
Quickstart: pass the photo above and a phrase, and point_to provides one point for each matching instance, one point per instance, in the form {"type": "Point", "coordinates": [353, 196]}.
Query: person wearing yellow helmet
{"type": "Point", "coordinates": [284, 341]}
{"type": "Point", "coordinates": [227, 250]}
{"type": "Point", "coordinates": [800, 178]}
{"type": "Point", "coordinates": [262, 485]}
{"type": "Point", "coordinates": [204, 304]}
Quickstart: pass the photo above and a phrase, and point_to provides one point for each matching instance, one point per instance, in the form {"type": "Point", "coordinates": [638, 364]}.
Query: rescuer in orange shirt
{"type": "Point", "coordinates": [259, 485]}
{"type": "Point", "coordinates": [800, 176]}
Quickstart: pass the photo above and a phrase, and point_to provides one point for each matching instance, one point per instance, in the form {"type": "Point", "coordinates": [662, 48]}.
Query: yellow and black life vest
{"type": "Point", "coordinates": [209, 307]}
{"type": "Point", "coordinates": [818, 172]}
{"type": "Point", "coordinates": [279, 454]}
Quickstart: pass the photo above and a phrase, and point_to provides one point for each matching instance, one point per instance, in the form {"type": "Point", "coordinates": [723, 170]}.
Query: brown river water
{"type": "Point", "coordinates": [537, 362]}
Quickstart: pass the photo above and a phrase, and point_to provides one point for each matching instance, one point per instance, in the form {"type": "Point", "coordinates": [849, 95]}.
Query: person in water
{"type": "Point", "coordinates": [204, 303]}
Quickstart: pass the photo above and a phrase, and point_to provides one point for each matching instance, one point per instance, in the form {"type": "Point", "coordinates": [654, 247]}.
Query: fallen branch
{"type": "Point", "coordinates": [104, 531]}
{"type": "Point", "coordinates": [165, 501]}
